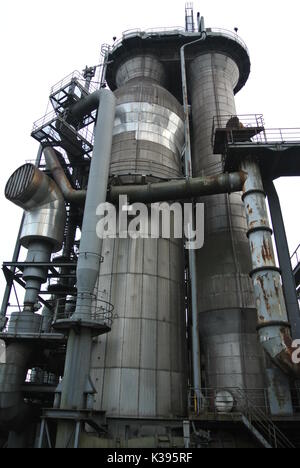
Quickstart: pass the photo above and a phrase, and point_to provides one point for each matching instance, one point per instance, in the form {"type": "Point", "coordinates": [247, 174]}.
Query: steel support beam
{"type": "Point", "coordinates": [287, 275]}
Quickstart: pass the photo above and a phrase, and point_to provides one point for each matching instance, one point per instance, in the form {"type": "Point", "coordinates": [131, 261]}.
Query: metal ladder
{"type": "Point", "coordinates": [260, 424]}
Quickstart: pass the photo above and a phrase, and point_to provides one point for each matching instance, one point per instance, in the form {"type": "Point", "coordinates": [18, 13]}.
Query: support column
{"type": "Point", "coordinates": [289, 285]}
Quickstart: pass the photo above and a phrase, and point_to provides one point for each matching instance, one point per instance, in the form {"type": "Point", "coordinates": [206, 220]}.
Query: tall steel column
{"type": "Point", "coordinates": [225, 294]}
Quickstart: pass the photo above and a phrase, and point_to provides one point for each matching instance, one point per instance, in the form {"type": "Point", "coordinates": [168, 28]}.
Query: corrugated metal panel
{"type": "Point", "coordinates": [149, 344]}
{"type": "Point", "coordinates": [148, 140]}
{"type": "Point", "coordinates": [131, 343]}
{"type": "Point", "coordinates": [149, 309]}
{"type": "Point", "coordinates": [111, 392]}
{"type": "Point", "coordinates": [129, 391]}
{"type": "Point", "coordinates": [164, 408]}
{"type": "Point", "coordinates": [163, 355]}
{"type": "Point", "coordinates": [147, 395]}
{"type": "Point", "coordinates": [134, 286]}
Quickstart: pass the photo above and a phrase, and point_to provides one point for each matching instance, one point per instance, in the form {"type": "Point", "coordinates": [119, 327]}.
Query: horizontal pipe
{"type": "Point", "coordinates": [53, 165]}
{"type": "Point", "coordinates": [84, 107]}
{"type": "Point", "coordinates": [180, 189]}
{"type": "Point", "coordinates": [152, 192]}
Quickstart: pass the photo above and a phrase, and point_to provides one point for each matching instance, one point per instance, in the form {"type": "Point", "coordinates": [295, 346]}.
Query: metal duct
{"type": "Point", "coordinates": [90, 244]}
{"type": "Point", "coordinates": [273, 325]}
{"type": "Point", "coordinates": [43, 202]}
{"type": "Point", "coordinates": [180, 189]}
{"type": "Point", "coordinates": [77, 367]}
{"type": "Point", "coordinates": [53, 165]}
{"type": "Point", "coordinates": [152, 192]}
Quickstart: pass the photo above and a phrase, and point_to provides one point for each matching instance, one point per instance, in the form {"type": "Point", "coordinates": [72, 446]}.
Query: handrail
{"type": "Point", "coordinates": [257, 416]}
{"type": "Point", "coordinates": [250, 129]}
{"type": "Point", "coordinates": [177, 30]}
{"type": "Point", "coordinates": [296, 256]}
{"type": "Point", "coordinates": [265, 424]}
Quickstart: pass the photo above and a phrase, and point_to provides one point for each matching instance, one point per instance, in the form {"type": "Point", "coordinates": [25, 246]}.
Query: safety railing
{"type": "Point", "coordinates": [250, 129]}
{"type": "Point", "coordinates": [72, 77]}
{"type": "Point", "coordinates": [176, 30]}
{"type": "Point", "coordinates": [295, 258]}
{"type": "Point", "coordinates": [227, 34]}
{"type": "Point", "coordinates": [238, 121]}
{"type": "Point", "coordinates": [212, 401]}
{"type": "Point", "coordinates": [101, 310]}
{"type": "Point", "coordinates": [39, 376]}
{"type": "Point", "coordinates": [53, 129]}
{"type": "Point", "coordinates": [15, 324]}
{"type": "Point", "coordinates": [251, 405]}
{"type": "Point", "coordinates": [209, 400]}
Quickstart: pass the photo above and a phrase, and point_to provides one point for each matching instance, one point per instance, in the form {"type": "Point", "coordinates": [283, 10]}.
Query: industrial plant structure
{"type": "Point", "coordinates": [141, 342]}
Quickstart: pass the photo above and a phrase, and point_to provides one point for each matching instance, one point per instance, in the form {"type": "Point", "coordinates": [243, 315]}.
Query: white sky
{"type": "Point", "coordinates": [44, 41]}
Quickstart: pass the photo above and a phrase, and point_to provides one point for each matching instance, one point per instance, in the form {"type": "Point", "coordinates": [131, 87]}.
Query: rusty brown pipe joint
{"type": "Point", "coordinates": [277, 341]}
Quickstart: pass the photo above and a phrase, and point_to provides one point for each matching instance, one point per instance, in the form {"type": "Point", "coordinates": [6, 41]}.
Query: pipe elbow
{"type": "Point", "coordinates": [53, 165]}
{"type": "Point", "coordinates": [278, 344]}
{"type": "Point", "coordinates": [43, 202]}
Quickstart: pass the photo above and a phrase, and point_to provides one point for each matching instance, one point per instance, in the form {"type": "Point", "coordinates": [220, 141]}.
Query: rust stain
{"type": "Point", "coordinates": [243, 176]}
{"type": "Point", "coordinates": [266, 250]}
{"type": "Point", "coordinates": [262, 285]}
{"type": "Point", "coordinates": [287, 339]}
{"type": "Point", "coordinates": [250, 210]}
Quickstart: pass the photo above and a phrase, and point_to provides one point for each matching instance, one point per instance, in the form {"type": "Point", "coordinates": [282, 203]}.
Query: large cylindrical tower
{"type": "Point", "coordinates": [139, 369]}
{"type": "Point", "coordinates": [232, 356]}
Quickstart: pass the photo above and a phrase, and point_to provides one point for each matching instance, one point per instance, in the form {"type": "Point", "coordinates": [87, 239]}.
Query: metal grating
{"type": "Point", "coordinates": [19, 182]}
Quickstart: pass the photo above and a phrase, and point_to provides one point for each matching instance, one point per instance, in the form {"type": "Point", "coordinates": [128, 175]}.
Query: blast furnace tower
{"type": "Point", "coordinates": [138, 341]}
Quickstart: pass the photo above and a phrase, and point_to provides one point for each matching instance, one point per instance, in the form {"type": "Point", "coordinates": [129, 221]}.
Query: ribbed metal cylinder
{"type": "Point", "coordinates": [225, 294]}
{"type": "Point", "coordinates": [139, 368]}
{"type": "Point", "coordinates": [149, 129]}
{"type": "Point", "coordinates": [45, 212]}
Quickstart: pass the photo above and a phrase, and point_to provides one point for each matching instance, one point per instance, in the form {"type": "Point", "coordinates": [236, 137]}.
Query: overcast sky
{"type": "Point", "coordinates": [42, 42]}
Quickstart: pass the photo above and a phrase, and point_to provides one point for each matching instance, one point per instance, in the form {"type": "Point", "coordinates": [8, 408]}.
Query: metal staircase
{"type": "Point", "coordinates": [259, 424]}
{"type": "Point", "coordinates": [55, 128]}
{"type": "Point", "coordinates": [234, 405]}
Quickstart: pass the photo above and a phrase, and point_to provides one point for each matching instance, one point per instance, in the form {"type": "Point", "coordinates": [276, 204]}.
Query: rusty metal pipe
{"type": "Point", "coordinates": [273, 325]}
{"type": "Point", "coordinates": [53, 165]}
{"type": "Point", "coordinates": [180, 189]}
{"type": "Point", "coordinates": [153, 192]}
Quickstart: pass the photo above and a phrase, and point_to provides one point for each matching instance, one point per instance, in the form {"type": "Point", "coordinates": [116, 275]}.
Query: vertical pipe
{"type": "Point", "coordinates": [273, 326]}
{"type": "Point", "coordinates": [90, 245]}
{"type": "Point", "coordinates": [192, 254]}
{"type": "Point", "coordinates": [289, 285]}
{"type": "Point", "coordinates": [77, 366]}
